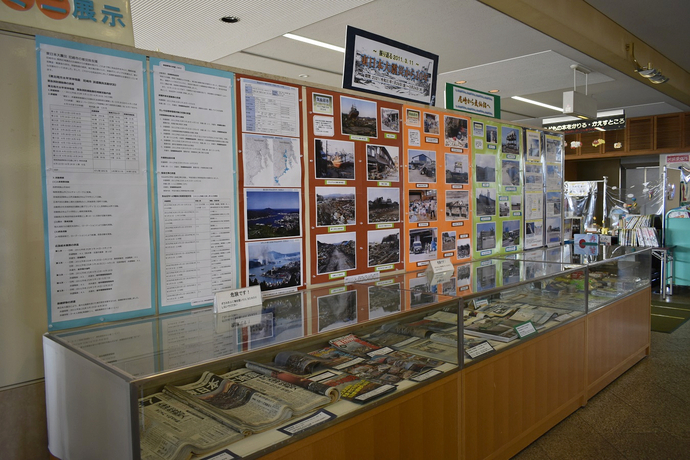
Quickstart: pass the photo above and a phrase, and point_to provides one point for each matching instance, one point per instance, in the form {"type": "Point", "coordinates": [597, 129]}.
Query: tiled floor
{"type": "Point", "coordinates": [644, 414]}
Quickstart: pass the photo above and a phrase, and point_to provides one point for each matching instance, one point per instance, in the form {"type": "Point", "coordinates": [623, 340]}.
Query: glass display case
{"type": "Point", "coordinates": [252, 379]}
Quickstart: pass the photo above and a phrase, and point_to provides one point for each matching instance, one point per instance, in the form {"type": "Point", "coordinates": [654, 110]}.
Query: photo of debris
{"type": "Point", "coordinates": [335, 206]}
{"type": "Point", "coordinates": [421, 166]}
{"type": "Point", "coordinates": [455, 132]}
{"type": "Point", "coordinates": [457, 205]}
{"type": "Point", "coordinates": [422, 206]}
{"type": "Point", "coordinates": [336, 252]}
{"type": "Point", "coordinates": [334, 159]}
{"type": "Point", "coordinates": [383, 163]}
{"type": "Point", "coordinates": [448, 241]}
{"type": "Point", "coordinates": [337, 310]}
{"type": "Point", "coordinates": [384, 246]}
{"type": "Point", "coordinates": [486, 202]}
{"type": "Point", "coordinates": [457, 169]}
{"type": "Point", "coordinates": [390, 120]}
{"type": "Point", "coordinates": [358, 117]}
{"type": "Point", "coordinates": [383, 204]}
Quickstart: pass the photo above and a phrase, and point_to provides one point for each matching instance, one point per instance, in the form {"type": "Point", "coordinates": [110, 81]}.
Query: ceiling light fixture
{"type": "Point", "coordinates": [540, 104]}
{"type": "Point", "coordinates": [461, 82]}
{"type": "Point", "coordinates": [654, 75]}
{"type": "Point", "coordinates": [578, 104]}
{"type": "Point", "coordinates": [494, 90]}
{"type": "Point", "coordinates": [314, 42]}
{"type": "Point", "coordinates": [230, 19]}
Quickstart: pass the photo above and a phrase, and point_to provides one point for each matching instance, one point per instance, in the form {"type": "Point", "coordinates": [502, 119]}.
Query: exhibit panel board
{"type": "Point", "coordinates": [436, 169]}
{"type": "Point", "coordinates": [271, 184]}
{"type": "Point", "coordinates": [534, 189]}
{"type": "Point", "coordinates": [93, 105]}
{"type": "Point", "coordinates": [553, 184]}
{"type": "Point", "coordinates": [355, 193]}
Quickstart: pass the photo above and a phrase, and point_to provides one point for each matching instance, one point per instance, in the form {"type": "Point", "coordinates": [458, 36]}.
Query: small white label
{"type": "Point", "coordinates": [440, 266]}
{"type": "Point", "coordinates": [430, 140]}
{"type": "Point", "coordinates": [384, 225]}
{"type": "Point", "coordinates": [376, 392]}
{"type": "Point", "coordinates": [426, 375]}
{"type": "Point", "coordinates": [423, 224]}
{"type": "Point", "coordinates": [478, 350]}
{"type": "Point", "coordinates": [359, 138]}
{"type": "Point", "coordinates": [384, 184]}
{"type": "Point", "coordinates": [333, 276]}
{"type": "Point", "coordinates": [337, 290]}
{"type": "Point", "coordinates": [380, 351]}
{"type": "Point", "coordinates": [457, 224]}
{"type": "Point", "coordinates": [336, 182]}
{"type": "Point", "coordinates": [480, 303]}
{"type": "Point", "coordinates": [362, 277]}
{"type": "Point", "coordinates": [347, 364]}
{"type": "Point", "coordinates": [234, 299]}
{"type": "Point", "coordinates": [525, 329]}
{"type": "Point", "coordinates": [383, 268]}
{"type": "Point", "coordinates": [224, 455]}
{"type": "Point", "coordinates": [319, 417]}
{"type": "Point", "coordinates": [390, 136]}
{"type": "Point", "coordinates": [422, 185]}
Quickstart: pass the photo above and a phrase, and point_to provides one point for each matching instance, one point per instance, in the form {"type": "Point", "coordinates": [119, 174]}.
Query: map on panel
{"type": "Point", "coordinates": [271, 161]}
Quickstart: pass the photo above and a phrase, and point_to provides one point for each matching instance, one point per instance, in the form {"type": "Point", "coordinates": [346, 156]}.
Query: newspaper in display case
{"type": "Point", "coordinates": [236, 405]}
{"type": "Point", "coordinates": [353, 388]}
{"type": "Point", "coordinates": [171, 430]}
{"type": "Point", "coordinates": [307, 384]}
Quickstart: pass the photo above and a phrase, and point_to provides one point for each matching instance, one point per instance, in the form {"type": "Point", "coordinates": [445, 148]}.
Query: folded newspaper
{"type": "Point", "coordinates": [231, 403]}
{"type": "Point", "coordinates": [315, 387]}
{"type": "Point", "coordinates": [172, 430]}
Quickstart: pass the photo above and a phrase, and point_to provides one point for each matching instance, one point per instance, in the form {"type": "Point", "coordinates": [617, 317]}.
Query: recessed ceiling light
{"type": "Point", "coordinates": [494, 90]}
{"type": "Point", "coordinates": [303, 75]}
{"type": "Point", "coordinates": [461, 82]}
{"type": "Point", "coordinates": [540, 104]}
{"type": "Point", "coordinates": [314, 42]}
{"type": "Point", "coordinates": [230, 19]}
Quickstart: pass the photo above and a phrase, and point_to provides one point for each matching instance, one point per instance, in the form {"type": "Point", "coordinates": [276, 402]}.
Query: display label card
{"type": "Point", "coordinates": [390, 136]}
{"type": "Point", "coordinates": [225, 454]}
{"type": "Point", "coordinates": [431, 140]}
{"type": "Point", "coordinates": [362, 277]}
{"type": "Point", "coordinates": [478, 350]}
{"type": "Point", "coordinates": [525, 329]}
{"type": "Point", "coordinates": [457, 150]}
{"type": "Point", "coordinates": [480, 303]}
{"type": "Point", "coordinates": [307, 423]}
{"type": "Point", "coordinates": [359, 138]}
{"type": "Point", "coordinates": [337, 290]}
{"type": "Point", "coordinates": [426, 375]}
{"type": "Point", "coordinates": [404, 343]}
{"type": "Point", "coordinates": [376, 392]}
{"type": "Point", "coordinates": [337, 275]}
{"type": "Point", "coordinates": [323, 126]}
{"type": "Point", "coordinates": [384, 184]}
{"type": "Point", "coordinates": [384, 225]}
{"type": "Point", "coordinates": [234, 299]}
{"type": "Point", "coordinates": [440, 266]}
{"type": "Point", "coordinates": [380, 351]}
{"type": "Point", "coordinates": [457, 224]}
{"type": "Point", "coordinates": [382, 268]}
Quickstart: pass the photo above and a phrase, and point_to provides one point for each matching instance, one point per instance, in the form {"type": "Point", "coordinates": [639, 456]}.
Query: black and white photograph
{"type": "Point", "coordinates": [421, 292]}
{"type": "Point", "coordinates": [432, 123]}
{"type": "Point", "coordinates": [510, 270]}
{"type": "Point", "coordinates": [336, 252]}
{"type": "Point", "coordinates": [384, 300]}
{"type": "Point", "coordinates": [383, 163]}
{"type": "Point", "coordinates": [533, 145]}
{"type": "Point", "coordinates": [447, 241]}
{"type": "Point", "coordinates": [486, 236]}
{"type": "Point", "coordinates": [510, 172]}
{"type": "Point", "coordinates": [455, 132]}
{"type": "Point", "coordinates": [486, 277]}
{"type": "Point", "coordinates": [464, 248]}
{"type": "Point", "coordinates": [485, 168]}
{"type": "Point", "coordinates": [358, 117]}
{"type": "Point", "coordinates": [457, 168]}
{"type": "Point", "coordinates": [491, 134]}
{"type": "Point", "coordinates": [383, 205]}
{"type": "Point", "coordinates": [384, 246]}
{"type": "Point", "coordinates": [334, 159]}
{"type": "Point", "coordinates": [486, 202]}
{"type": "Point", "coordinates": [335, 206]}
{"type": "Point", "coordinates": [510, 138]}
{"type": "Point", "coordinates": [553, 230]}
{"type": "Point", "coordinates": [457, 205]}
{"type": "Point", "coordinates": [516, 203]}
{"type": "Point", "coordinates": [390, 120]}
{"type": "Point", "coordinates": [464, 275]}
{"type": "Point", "coordinates": [337, 310]}
{"type": "Point", "coordinates": [286, 316]}
{"type": "Point", "coordinates": [422, 206]}
{"type": "Point", "coordinates": [421, 166]}
{"type": "Point", "coordinates": [477, 129]}
{"type": "Point", "coordinates": [503, 206]}
{"type": "Point", "coordinates": [422, 244]}
{"type": "Point", "coordinates": [511, 233]}
{"type": "Point", "coordinates": [273, 213]}
{"type": "Point", "coordinates": [274, 264]}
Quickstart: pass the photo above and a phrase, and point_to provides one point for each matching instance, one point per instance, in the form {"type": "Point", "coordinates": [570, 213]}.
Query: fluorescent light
{"type": "Point", "coordinates": [599, 129]}
{"type": "Point", "coordinates": [314, 42]}
{"type": "Point", "coordinates": [540, 104]}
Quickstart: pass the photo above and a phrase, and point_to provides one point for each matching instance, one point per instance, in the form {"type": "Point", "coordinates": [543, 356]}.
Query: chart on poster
{"type": "Point", "coordinates": [96, 204]}
{"type": "Point", "coordinates": [196, 194]}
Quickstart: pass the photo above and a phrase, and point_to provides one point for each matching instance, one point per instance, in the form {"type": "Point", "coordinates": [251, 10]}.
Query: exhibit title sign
{"type": "Point", "coordinates": [378, 65]}
{"type": "Point", "coordinates": [471, 101]}
{"type": "Point", "coordinates": [107, 20]}
{"type": "Point", "coordinates": [585, 126]}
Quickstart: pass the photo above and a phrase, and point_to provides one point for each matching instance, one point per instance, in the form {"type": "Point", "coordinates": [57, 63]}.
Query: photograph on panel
{"type": "Point", "coordinates": [486, 277]}
{"type": "Point", "coordinates": [447, 241]}
{"type": "Point", "coordinates": [286, 315]}
{"type": "Point", "coordinates": [554, 201]}
{"type": "Point", "coordinates": [383, 205]}
{"type": "Point", "coordinates": [457, 169]}
{"type": "Point", "coordinates": [336, 252]}
{"type": "Point", "coordinates": [271, 161]}
{"type": "Point", "coordinates": [534, 177]}
{"type": "Point", "coordinates": [485, 168]}
{"type": "Point", "coordinates": [274, 264]}
{"type": "Point", "coordinates": [534, 229]}
{"type": "Point", "coordinates": [432, 124]}
{"type": "Point", "coordinates": [390, 120]}
{"type": "Point", "coordinates": [384, 300]}
{"type": "Point", "coordinates": [464, 274]}
{"type": "Point", "coordinates": [503, 206]}
{"type": "Point", "coordinates": [384, 246]}
{"type": "Point", "coordinates": [273, 213]}
{"type": "Point", "coordinates": [422, 206]}
{"type": "Point", "coordinates": [510, 140]}
{"type": "Point", "coordinates": [533, 145]}
{"type": "Point", "coordinates": [511, 272]}
{"type": "Point", "coordinates": [449, 287]}
{"type": "Point", "coordinates": [455, 135]}
{"type": "Point", "coordinates": [491, 134]}
{"type": "Point", "coordinates": [422, 244]}
{"type": "Point", "coordinates": [421, 165]}
{"type": "Point", "coordinates": [337, 310]}
{"type": "Point", "coordinates": [334, 159]}
{"type": "Point", "coordinates": [457, 205]}
{"type": "Point", "coordinates": [510, 172]}
{"type": "Point", "coordinates": [335, 206]}
{"type": "Point", "coordinates": [358, 117]}
{"type": "Point", "coordinates": [383, 163]}
{"type": "Point", "coordinates": [516, 203]}
{"type": "Point", "coordinates": [554, 150]}
{"type": "Point", "coordinates": [511, 233]}
{"type": "Point", "coordinates": [464, 248]}
{"type": "Point", "coordinates": [421, 292]}
{"type": "Point", "coordinates": [486, 236]}
{"type": "Point", "coordinates": [553, 177]}
{"type": "Point", "coordinates": [553, 229]}
{"type": "Point", "coordinates": [486, 202]}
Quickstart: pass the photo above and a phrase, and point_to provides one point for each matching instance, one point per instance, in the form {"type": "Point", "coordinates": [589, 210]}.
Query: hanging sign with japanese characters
{"type": "Point", "coordinates": [471, 101]}
{"type": "Point", "coordinates": [584, 126]}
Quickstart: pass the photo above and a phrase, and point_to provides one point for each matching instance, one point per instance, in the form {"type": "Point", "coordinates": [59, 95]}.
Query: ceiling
{"type": "Point", "coordinates": [476, 43]}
